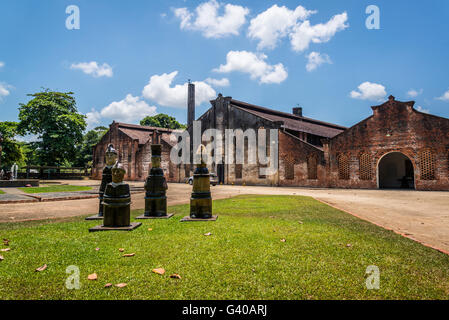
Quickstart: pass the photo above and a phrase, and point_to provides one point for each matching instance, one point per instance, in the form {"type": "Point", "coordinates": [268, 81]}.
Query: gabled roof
{"type": "Point", "coordinates": [141, 133]}
{"type": "Point", "coordinates": [292, 121]}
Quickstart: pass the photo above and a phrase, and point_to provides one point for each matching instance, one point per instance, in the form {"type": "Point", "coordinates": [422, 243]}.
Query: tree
{"type": "Point", "coordinates": [162, 121]}
{"type": "Point", "coordinates": [90, 139]}
{"type": "Point", "coordinates": [11, 149]}
{"type": "Point", "coordinates": [53, 116]}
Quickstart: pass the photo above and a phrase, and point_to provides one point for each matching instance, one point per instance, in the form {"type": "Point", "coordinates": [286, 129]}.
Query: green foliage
{"type": "Point", "coordinates": [243, 258]}
{"type": "Point", "coordinates": [52, 116]}
{"type": "Point", "coordinates": [84, 150]}
{"type": "Point", "coordinates": [11, 149]}
{"type": "Point", "coordinates": [162, 121]}
{"type": "Point", "coordinates": [29, 150]}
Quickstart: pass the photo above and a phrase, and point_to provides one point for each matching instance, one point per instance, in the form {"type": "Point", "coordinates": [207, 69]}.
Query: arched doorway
{"type": "Point", "coordinates": [395, 171]}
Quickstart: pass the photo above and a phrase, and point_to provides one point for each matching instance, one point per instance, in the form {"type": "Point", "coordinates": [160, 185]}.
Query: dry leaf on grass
{"type": "Point", "coordinates": [175, 276]}
{"type": "Point", "coordinates": [208, 234]}
{"type": "Point", "coordinates": [283, 240]}
{"type": "Point", "coordinates": [41, 268]}
{"type": "Point", "coordinates": [160, 271]}
{"type": "Point", "coordinates": [5, 250]}
{"type": "Point", "coordinates": [1, 258]}
{"type": "Point", "coordinates": [349, 245]}
{"type": "Point", "coordinates": [5, 242]}
{"type": "Point", "coordinates": [121, 249]}
{"type": "Point", "coordinates": [150, 229]}
{"type": "Point", "coordinates": [129, 255]}
{"type": "Point", "coordinates": [121, 285]}
{"type": "Point", "coordinates": [108, 285]}
{"type": "Point", "coordinates": [97, 249]}
{"type": "Point", "coordinates": [92, 276]}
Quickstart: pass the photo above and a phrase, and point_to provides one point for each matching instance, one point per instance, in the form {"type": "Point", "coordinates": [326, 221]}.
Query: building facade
{"type": "Point", "coordinates": [133, 143]}
{"type": "Point", "coordinates": [396, 147]}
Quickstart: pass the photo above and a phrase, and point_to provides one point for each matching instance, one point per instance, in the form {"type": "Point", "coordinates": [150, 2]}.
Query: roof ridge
{"type": "Point", "coordinates": [138, 126]}
{"type": "Point", "coordinates": [285, 114]}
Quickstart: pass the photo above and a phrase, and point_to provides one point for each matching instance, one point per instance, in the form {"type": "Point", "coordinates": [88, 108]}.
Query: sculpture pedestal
{"type": "Point", "coordinates": [95, 217]}
{"type": "Point", "coordinates": [116, 209]}
{"type": "Point", "coordinates": [98, 216]}
{"type": "Point", "coordinates": [168, 216]}
{"type": "Point", "coordinates": [131, 227]}
{"type": "Point", "coordinates": [189, 218]}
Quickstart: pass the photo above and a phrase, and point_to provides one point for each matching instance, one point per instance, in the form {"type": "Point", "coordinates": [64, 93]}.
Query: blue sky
{"type": "Point", "coordinates": [121, 45]}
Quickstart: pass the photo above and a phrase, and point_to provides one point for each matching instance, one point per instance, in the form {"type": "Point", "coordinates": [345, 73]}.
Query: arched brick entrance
{"type": "Point", "coordinates": [395, 171]}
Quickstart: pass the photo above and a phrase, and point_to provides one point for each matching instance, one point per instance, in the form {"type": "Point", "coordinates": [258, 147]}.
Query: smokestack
{"type": "Point", "coordinates": [297, 111]}
{"type": "Point", "coordinates": [191, 104]}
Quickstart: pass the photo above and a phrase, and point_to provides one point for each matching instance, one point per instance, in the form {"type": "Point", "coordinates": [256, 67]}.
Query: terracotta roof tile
{"type": "Point", "coordinates": [142, 133]}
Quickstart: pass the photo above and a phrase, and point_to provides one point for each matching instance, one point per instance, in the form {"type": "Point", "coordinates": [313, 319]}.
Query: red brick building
{"type": "Point", "coordinates": [396, 147]}
{"type": "Point", "coordinates": [133, 143]}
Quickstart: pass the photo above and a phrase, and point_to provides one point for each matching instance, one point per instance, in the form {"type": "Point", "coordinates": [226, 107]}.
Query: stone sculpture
{"type": "Point", "coordinates": [155, 187]}
{"type": "Point", "coordinates": [201, 199]}
{"type": "Point", "coordinates": [117, 203]}
{"type": "Point", "coordinates": [111, 157]}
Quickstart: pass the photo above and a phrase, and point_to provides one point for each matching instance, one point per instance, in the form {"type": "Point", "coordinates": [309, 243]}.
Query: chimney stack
{"type": "Point", "coordinates": [191, 104]}
{"type": "Point", "coordinates": [297, 111]}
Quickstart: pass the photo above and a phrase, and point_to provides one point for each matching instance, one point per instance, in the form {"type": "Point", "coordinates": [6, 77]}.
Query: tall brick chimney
{"type": "Point", "coordinates": [297, 111]}
{"type": "Point", "coordinates": [191, 104]}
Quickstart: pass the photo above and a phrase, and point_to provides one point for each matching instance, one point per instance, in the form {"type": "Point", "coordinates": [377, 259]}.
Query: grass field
{"type": "Point", "coordinates": [324, 256]}
{"type": "Point", "coordinates": [57, 188]}
{"type": "Point", "coordinates": [2, 192]}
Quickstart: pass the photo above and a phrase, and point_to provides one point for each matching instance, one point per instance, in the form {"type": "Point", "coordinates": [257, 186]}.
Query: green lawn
{"type": "Point", "coordinates": [57, 188]}
{"type": "Point", "coordinates": [244, 258]}
{"type": "Point", "coordinates": [2, 192]}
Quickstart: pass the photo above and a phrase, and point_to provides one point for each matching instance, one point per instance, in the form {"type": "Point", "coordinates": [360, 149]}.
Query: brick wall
{"type": "Point", "coordinates": [394, 127]}
{"type": "Point", "coordinates": [297, 152]}
{"type": "Point", "coordinates": [135, 158]}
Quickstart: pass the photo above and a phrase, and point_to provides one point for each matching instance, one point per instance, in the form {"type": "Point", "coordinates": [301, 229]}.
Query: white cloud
{"type": "Point", "coordinates": [421, 109]}
{"type": "Point", "coordinates": [369, 91]}
{"type": "Point", "coordinates": [94, 69]}
{"type": "Point", "coordinates": [93, 119]}
{"type": "Point", "coordinates": [2, 64]}
{"type": "Point", "coordinates": [254, 65]}
{"type": "Point", "coordinates": [129, 109]}
{"type": "Point", "coordinates": [160, 91]}
{"type": "Point", "coordinates": [412, 93]}
{"type": "Point", "coordinates": [303, 34]}
{"type": "Point", "coordinates": [444, 97]}
{"type": "Point", "coordinates": [315, 59]}
{"type": "Point", "coordinates": [207, 19]}
{"type": "Point", "coordinates": [275, 23]}
{"type": "Point", "coordinates": [218, 82]}
{"type": "Point", "coordinates": [4, 90]}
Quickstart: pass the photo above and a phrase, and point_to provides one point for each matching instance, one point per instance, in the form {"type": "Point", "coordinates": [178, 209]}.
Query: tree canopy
{"type": "Point", "coordinates": [54, 117]}
{"type": "Point", "coordinates": [11, 149]}
{"type": "Point", "coordinates": [90, 139]}
{"type": "Point", "coordinates": [162, 120]}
